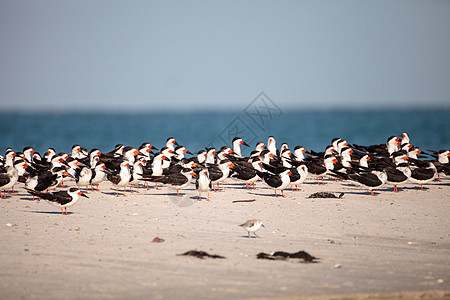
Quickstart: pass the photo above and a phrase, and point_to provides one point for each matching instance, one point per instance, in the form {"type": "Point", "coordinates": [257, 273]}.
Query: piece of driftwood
{"type": "Point", "coordinates": [251, 200]}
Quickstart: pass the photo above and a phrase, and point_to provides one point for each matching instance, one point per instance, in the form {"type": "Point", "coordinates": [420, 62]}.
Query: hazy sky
{"type": "Point", "coordinates": [203, 55]}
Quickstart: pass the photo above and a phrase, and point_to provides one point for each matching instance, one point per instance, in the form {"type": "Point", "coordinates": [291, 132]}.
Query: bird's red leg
{"type": "Point", "coordinates": [421, 187]}
{"type": "Point", "coordinates": [246, 184]}
{"type": "Point", "coordinates": [137, 188]}
{"type": "Point", "coordinates": [323, 182]}
{"type": "Point", "coordinates": [208, 197]}
{"type": "Point", "coordinates": [124, 190]}
{"type": "Point", "coordinates": [292, 187]}
{"type": "Point", "coordinates": [254, 187]}
{"type": "Point", "coordinates": [178, 194]}
{"type": "Point", "coordinates": [276, 193]}
{"type": "Point", "coordinates": [213, 187]}
{"type": "Point", "coordinates": [371, 191]}
{"type": "Point", "coordinates": [218, 187]}
{"type": "Point", "coordinates": [199, 196]}
{"type": "Point", "coordinates": [62, 211]}
{"type": "Point", "coordinates": [282, 194]}
{"type": "Point", "coordinates": [117, 192]}
{"type": "Point", "coordinates": [296, 187]}
{"type": "Point", "coordinates": [65, 208]}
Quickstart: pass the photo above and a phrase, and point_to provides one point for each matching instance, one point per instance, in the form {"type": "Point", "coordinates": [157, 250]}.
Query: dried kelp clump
{"type": "Point", "coordinates": [201, 254]}
{"type": "Point", "coordinates": [303, 256]}
{"type": "Point", "coordinates": [325, 195]}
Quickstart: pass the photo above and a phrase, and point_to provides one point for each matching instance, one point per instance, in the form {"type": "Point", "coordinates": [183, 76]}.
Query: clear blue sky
{"type": "Point", "coordinates": [205, 55]}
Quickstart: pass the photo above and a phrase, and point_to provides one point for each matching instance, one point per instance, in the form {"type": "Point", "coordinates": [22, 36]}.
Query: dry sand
{"type": "Point", "coordinates": [370, 247]}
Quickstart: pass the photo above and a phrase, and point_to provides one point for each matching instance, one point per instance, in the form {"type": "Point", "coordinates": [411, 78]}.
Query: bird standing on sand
{"type": "Point", "coordinates": [252, 226]}
{"type": "Point", "coordinates": [203, 183]}
{"type": "Point", "coordinates": [8, 179]}
{"type": "Point", "coordinates": [62, 199]}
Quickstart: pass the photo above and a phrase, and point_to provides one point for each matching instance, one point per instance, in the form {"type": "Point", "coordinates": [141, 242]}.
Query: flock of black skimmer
{"type": "Point", "coordinates": [394, 163]}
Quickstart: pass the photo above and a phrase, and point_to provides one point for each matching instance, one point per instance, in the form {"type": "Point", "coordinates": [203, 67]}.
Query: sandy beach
{"type": "Point", "coordinates": [387, 246]}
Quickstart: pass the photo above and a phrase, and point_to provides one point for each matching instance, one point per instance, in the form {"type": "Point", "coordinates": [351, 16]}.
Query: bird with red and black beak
{"type": "Point", "coordinates": [276, 178]}
{"type": "Point", "coordinates": [62, 199]}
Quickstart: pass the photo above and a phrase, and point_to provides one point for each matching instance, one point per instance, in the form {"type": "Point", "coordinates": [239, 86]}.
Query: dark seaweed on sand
{"type": "Point", "coordinates": [201, 254]}
{"type": "Point", "coordinates": [281, 255]}
{"type": "Point", "coordinates": [325, 195]}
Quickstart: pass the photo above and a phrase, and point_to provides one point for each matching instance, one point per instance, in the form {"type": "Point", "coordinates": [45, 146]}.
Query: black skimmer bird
{"type": "Point", "coordinates": [98, 174]}
{"type": "Point", "coordinates": [171, 143]}
{"type": "Point", "coordinates": [284, 146]}
{"type": "Point", "coordinates": [298, 175]}
{"type": "Point", "coordinates": [252, 226]}
{"type": "Point", "coordinates": [272, 145]}
{"type": "Point", "coordinates": [49, 154]}
{"type": "Point", "coordinates": [62, 199]}
{"type": "Point", "coordinates": [179, 153]}
{"type": "Point", "coordinates": [9, 157]}
{"type": "Point", "coordinates": [203, 183]}
{"type": "Point", "coordinates": [28, 153]}
{"type": "Point", "coordinates": [266, 156]}
{"type": "Point", "coordinates": [422, 172]}
{"type": "Point", "coordinates": [247, 172]}
{"type": "Point", "coordinates": [136, 175]}
{"type": "Point", "coordinates": [285, 158]}
{"type": "Point", "coordinates": [176, 180]}
{"type": "Point", "coordinates": [219, 172]}
{"type": "Point", "coordinates": [156, 167]}
{"type": "Point", "coordinates": [200, 158]}
{"type": "Point", "coordinates": [210, 156]}
{"type": "Point", "coordinates": [370, 179]}
{"type": "Point", "coordinates": [320, 167]}
{"type": "Point", "coordinates": [398, 175]}
{"type": "Point", "coordinates": [129, 154]}
{"type": "Point", "coordinates": [364, 161]}
{"type": "Point", "coordinates": [299, 153]}
{"type": "Point", "coordinates": [237, 142]}
{"type": "Point", "coordinates": [46, 179]}
{"type": "Point", "coordinates": [278, 180]}
{"type": "Point", "coordinates": [75, 152]}
{"type": "Point", "coordinates": [94, 157]}
{"type": "Point", "coordinates": [223, 153]}
{"type": "Point", "coordinates": [146, 149]}
{"type": "Point", "coordinates": [83, 176]}
{"type": "Point", "coordinates": [8, 179]}
{"type": "Point", "coordinates": [405, 138]}
{"type": "Point", "coordinates": [169, 154]}
{"type": "Point", "coordinates": [385, 150]}
{"type": "Point", "coordinates": [260, 147]}
{"type": "Point", "coordinates": [115, 153]}
{"type": "Point", "coordinates": [442, 162]}
{"type": "Point", "coordinates": [121, 177]}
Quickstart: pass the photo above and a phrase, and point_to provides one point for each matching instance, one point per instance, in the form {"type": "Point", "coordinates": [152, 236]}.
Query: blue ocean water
{"type": "Point", "coordinates": [428, 129]}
